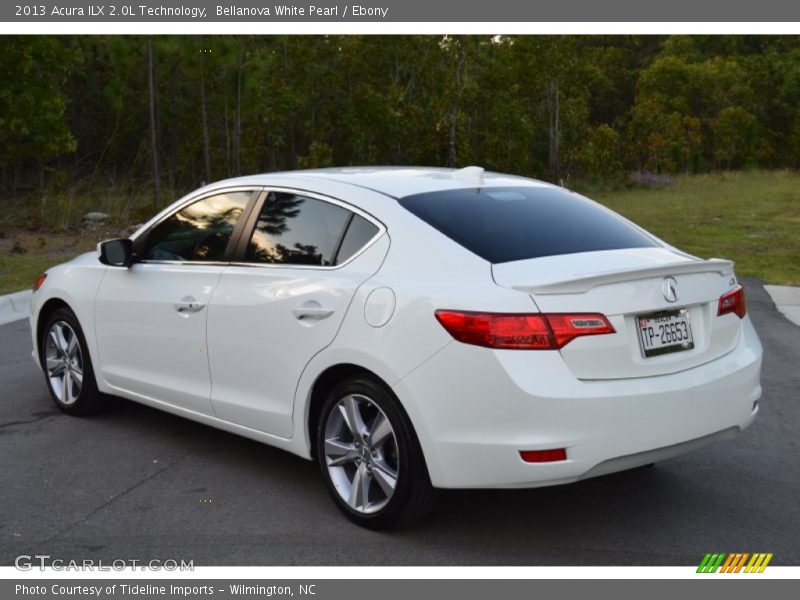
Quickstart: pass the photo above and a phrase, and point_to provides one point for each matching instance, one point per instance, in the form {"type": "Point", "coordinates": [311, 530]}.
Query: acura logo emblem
{"type": "Point", "coordinates": [669, 287]}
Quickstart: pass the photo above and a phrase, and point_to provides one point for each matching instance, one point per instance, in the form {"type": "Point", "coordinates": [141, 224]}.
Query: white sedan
{"type": "Point", "coordinates": [410, 329]}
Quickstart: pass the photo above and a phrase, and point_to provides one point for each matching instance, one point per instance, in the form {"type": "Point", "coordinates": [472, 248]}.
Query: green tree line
{"type": "Point", "coordinates": [171, 112]}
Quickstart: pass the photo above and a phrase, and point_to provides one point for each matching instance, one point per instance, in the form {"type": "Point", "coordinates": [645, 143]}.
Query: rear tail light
{"type": "Point", "coordinates": [540, 456]}
{"type": "Point", "coordinates": [521, 331]}
{"type": "Point", "coordinates": [567, 327]}
{"type": "Point", "coordinates": [39, 281]}
{"type": "Point", "coordinates": [733, 302]}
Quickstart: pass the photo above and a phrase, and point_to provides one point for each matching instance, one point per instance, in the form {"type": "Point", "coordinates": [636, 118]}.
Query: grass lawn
{"type": "Point", "coordinates": [752, 218]}
{"type": "Point", "coordinates": [41, 251]}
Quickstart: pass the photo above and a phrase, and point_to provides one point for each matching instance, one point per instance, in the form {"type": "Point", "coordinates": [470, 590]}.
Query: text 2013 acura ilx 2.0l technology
{"type": "Point", "coordinates": [409, 328]}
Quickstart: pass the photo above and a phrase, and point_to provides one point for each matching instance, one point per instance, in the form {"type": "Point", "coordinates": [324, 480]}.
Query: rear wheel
{"type": "Point", "coordinates": [67, 366]}
{"type": "Point", "coordinates": [370, 457]}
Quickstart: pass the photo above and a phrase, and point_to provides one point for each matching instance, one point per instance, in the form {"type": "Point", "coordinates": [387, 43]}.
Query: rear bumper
{"type": "Point", "coordinates": [474, 409]}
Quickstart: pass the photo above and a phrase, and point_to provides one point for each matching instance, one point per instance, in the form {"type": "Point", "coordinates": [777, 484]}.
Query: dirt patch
{"type": "Point", "coordinates": [52, 245]}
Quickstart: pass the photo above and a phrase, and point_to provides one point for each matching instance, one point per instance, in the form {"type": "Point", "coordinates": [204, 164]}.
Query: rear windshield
{"type": "Point", "coordinates": [517, 223]}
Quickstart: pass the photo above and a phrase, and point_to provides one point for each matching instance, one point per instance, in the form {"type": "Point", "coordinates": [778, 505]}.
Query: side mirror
{"type": "Point", "coordinates": [116, 253]}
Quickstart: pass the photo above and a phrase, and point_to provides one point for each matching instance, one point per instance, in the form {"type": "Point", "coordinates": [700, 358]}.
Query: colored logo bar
{"type": "Point", "coordinates": [735, 562]}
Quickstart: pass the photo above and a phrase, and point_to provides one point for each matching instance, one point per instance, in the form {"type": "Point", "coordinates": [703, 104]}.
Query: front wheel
{"type": "Point", "coordinates": [67, 366]}
{"type": "Point", "coordinates": [370, 457]}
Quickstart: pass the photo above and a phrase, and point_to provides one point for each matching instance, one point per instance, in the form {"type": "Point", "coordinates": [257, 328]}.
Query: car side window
{"type": "Point", "coordinates": [200, 232]}
{"type": "Point", "coordinates": [297, 230]}
{"type": "Point", "coordinates": [359, 232]}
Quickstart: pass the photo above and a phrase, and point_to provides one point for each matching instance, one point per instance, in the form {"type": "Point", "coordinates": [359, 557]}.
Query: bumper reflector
{"type": "Point", "coordinates": [540, 456]}
{"type": "Point", "coordinates": [39, 281]}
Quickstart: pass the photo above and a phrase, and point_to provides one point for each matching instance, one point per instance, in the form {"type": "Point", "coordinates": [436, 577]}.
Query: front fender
{"type": "Point", "coordinates": [75, 284]}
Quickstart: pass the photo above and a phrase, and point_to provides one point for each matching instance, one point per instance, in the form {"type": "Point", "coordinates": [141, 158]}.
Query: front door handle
{"type": "Point", "coordinates": [188, 304]}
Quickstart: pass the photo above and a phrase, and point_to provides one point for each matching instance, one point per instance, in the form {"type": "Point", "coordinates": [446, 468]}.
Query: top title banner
{"type": "Point", "coordinates": [461, 11]}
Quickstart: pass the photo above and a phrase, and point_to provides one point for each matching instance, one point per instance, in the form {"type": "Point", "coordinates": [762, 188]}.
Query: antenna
{"type": "Point", "coordinates": [469, 175]}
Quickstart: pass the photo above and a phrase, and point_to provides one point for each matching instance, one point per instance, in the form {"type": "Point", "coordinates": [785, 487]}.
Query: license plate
{"type": "Point", "coordinates": [664, 332]}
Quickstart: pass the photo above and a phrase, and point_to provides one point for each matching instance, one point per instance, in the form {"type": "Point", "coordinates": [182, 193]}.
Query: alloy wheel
{"type": "Point", "coordinates": [64, 362]}
{"type": "Point", "coordinates": [361, 453]}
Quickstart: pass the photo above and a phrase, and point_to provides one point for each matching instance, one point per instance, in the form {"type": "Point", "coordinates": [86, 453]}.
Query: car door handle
{"type": "Point", "coordinates": [189, 305]}
{"type": "Point", "coordinates": [312, 312]}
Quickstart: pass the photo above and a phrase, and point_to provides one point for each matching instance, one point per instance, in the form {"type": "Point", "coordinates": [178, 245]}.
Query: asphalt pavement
{"type": "Point", "coordinates": [136, 483]}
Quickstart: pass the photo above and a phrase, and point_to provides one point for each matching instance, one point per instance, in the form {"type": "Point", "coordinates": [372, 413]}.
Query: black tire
{"type": "Point", "coordinates": [413, 497]}
{"type": "Point", "coordinates": [88, 398]}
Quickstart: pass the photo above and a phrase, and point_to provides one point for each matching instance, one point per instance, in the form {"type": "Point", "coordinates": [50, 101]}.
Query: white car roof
{"type": "Point", "coordinates": [396, 182]}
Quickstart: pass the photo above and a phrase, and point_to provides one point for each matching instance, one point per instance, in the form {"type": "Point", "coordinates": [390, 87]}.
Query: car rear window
{"type": "Point", "coordinates": [518, 223]}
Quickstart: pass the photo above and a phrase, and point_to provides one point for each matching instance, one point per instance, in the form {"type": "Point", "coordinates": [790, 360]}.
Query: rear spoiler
{"type": "Point", "coordinates": [582, 284]}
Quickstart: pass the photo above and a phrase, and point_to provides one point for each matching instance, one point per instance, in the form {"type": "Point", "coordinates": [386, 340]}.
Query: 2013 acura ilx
{"type": "Point", "coordinates": [410, 329]}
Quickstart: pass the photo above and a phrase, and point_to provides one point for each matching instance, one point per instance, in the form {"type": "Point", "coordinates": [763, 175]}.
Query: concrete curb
{"type": "Point", "coordinates": [787, 300]}
{"type": "Point", "coordinates": [14, 307]}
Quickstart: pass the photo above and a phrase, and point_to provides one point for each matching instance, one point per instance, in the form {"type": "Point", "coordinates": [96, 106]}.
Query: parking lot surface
{"type": "Point", "coordinates": [136, 483]}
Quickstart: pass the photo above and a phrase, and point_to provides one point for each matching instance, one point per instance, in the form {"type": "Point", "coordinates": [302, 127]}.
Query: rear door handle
{"type": "Point", "coordinates": [312, 312]}
{"type": "Point", "coordinates": [189, 304]}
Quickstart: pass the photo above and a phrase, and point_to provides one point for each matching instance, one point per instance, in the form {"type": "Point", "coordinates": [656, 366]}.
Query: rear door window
{"type": "Point", "coordinates": [518, 223]}
{"type": "Point", "coordinates": [359, 233]}
{"type": "Point", "coordinates": [296, 230]}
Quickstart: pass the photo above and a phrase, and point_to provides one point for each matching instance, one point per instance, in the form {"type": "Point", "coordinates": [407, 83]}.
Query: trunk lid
{"type": "Point", "coordinates": [625, 285]}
